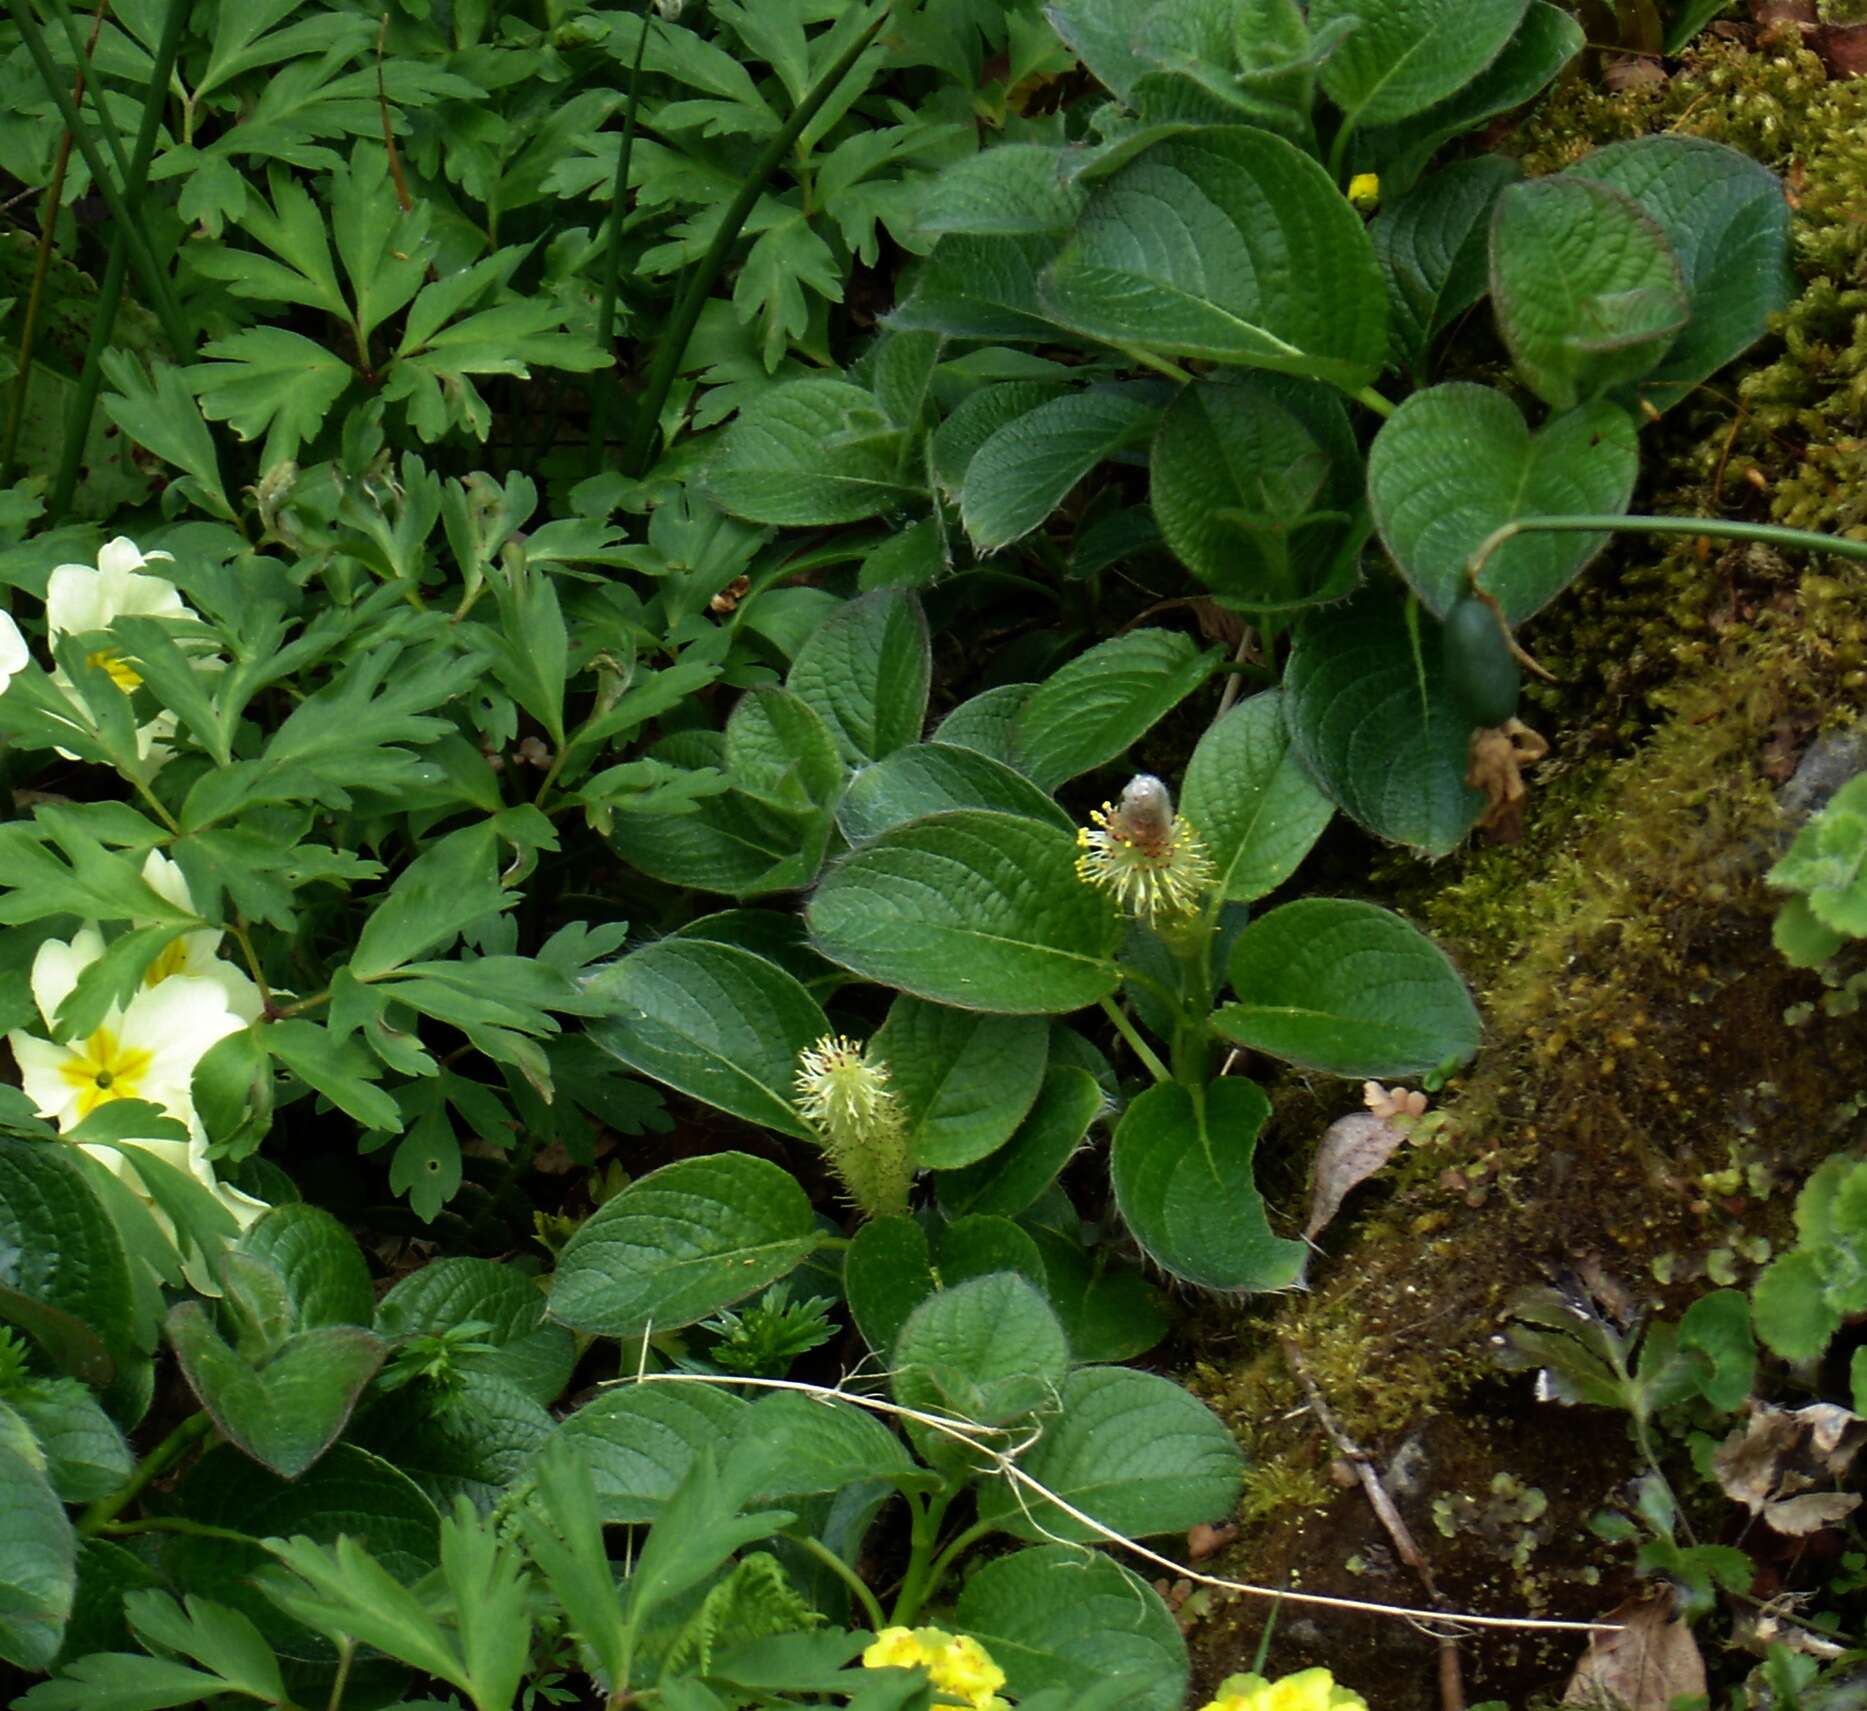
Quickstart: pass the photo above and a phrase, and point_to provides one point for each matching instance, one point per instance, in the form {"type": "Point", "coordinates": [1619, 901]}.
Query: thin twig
{"type": "Point", "coordinates": [1451, 1687]}
{"type": "Point", "coordinates": [967, 1432]}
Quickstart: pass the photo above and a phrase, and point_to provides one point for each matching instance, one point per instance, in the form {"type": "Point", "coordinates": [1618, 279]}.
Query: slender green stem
{"type": "Point", "coordinates": [106, 126]}
{"type": "Point", "coordinates": [174, 1524]}
{"type": "Point", "coordinates": [1719, 528]}
{"type": "Point", "coordinates": [1374, 400]}
{"type": "Point", "coordinates": [870, 1603]}
{"type": "Point", "coordinates": [1338, 149]}
{"type": "Point", "coordinates": [172, 1448]}
{"type": "Point", "coordinates": [1136, 1044]}
{"type": "Point", "coordinates": [956, 1547]}
{"type": "Point", "coordinates": [638, 456]}
{"type": "Point", "coordinates": [922, 1538]}
{"type": "Point", "coordinates": [129, 228]}
{"type": "Point", "coordinates": [603, 385]}
{"type": "Point", "coordinates": [346, 1650]}
{"type": "Point", "coordinates": [110, 293]}
{"type": "Point", "coordinates": [1159, 364]}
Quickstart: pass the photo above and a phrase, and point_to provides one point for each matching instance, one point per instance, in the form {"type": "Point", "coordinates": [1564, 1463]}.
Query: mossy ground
{"type": "Point", "coordinates": [1642, 1110]}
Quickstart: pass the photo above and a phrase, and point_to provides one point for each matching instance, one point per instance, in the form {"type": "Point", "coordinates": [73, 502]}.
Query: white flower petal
{"type": "Point", "coordinates": [167, 881]}
{"type": "Point", "coordinates": [56, 967]}
{"type": "Point", "coordinates": [52, 1096]}
{"type": "Point", "coordinates": [176, 1022]}
{"type": "Point", "coordinates": [14, 654]}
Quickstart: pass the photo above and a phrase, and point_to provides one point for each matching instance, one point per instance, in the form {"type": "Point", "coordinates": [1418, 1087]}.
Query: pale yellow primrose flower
{"type": "Point", "coordinates": [1307, 1690]}
{"type": "Point", "coordinates": [1144, 854]}
{"type": "Point", "coordinates": [83, 598]}
{"type": "Point", "coordinates": [15, 656]}
{"type": "Point", "coordinates": [195, 955]}
{"type": "Point", "coordinates": [958, 1667]}
{"type": "Point", "coordinates": [145, 1050]}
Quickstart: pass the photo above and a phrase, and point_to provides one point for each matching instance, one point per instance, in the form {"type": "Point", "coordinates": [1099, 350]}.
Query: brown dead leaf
{"type": "Point", "coordinates": [1353, 1149]}
{"type": "Point", "coordinates": [1769, 1463]}
{"type": "Point", "coordinates": [1631, 71]}
{"type": "Point", "coordinates": [1644, 1665]}
{"type": "Point", "coordinates": [1202, 1540]}
{"type": "Point", "coordinates": [1843, 48]}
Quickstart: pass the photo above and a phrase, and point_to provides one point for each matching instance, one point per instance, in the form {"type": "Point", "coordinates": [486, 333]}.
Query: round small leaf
{"type": "Point", "coordinates": [1399, 58]}
{"type": "Point", "coordinates": [976, 909]}
{"type": "Point", "coordinates": [865, 671]}
{"type": "Point", "coordinates": [1372, 722]}
{"type": "Point", "coordinates": [1348, 988]}
{"type": "Point", "coordinates": [964, 1079]}
{"type": "Point", "coordinates": [471, 1440]}
{"type": "Point", "coordinates": [928, 778]}
{"type": "Point", "coordinates": [526, 1351]}
{"type": "Point", "coordinates": [320, 1263]}
{"type": "Point", "coordinates": [1252, 804]}
{"type": "Point", "coordinates": [1183, 1180]}
{"type": "Point", "coordinates": [808, 452]}
{"type": "Point", "coordinates": [1458, 461]}
{"type": "Point", "coordinates": [887, 1273]}
{"type": "Point", "coordinates": [1587, 291]}
{"type": "Point", "coordinates": [714, 1021]}
{"type": "Point", "coordinates": [1008, 1181]}
{"type": "Point", "coordinates": [1061, 1619]}
{"type": "Point", "coordinates": [1135, 1452]}
{"type": "Point", "coordinates": [639, 1440]}
{"type": "Point", "coordinates": [681, 1243]}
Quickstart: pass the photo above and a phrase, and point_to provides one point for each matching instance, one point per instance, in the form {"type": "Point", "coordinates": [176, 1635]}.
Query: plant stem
{"type": "Point", "coordinates": [603, 387]}
{"type": "Point", "coordinates": [638, 455]}
{"type": "Point", "coordinates": [870, 1603]}
{"type": "Point", "coordinates": [925, 1534]}
{"type": "Point", "coordinates": [110, 293]}
{"type": "Point", "coordinates": [1719, 528]}
{"type": "Point", "coordinates": [172, 1448]}
{"type": "Point", "coordinates": [1136, 1044]}
{"type": "Point", "coordinates": [957, 1546]}
{"type": "Point", "coordinates": [1159, 364]}
{"type": "Point", "coordinates": [129, 229]}
{"type": "Point", "coordinates": [175, 1524]}
{"type": "Point", "coordinates": [41, 265]}
{"type": "Point", "coordinates": [346, 1650]}
{"type": "Point", "coordinates": [1374, 400]}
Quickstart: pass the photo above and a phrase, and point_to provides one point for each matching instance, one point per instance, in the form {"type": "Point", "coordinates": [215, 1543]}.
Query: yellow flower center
{"type": "Point", "coordinates": [121, 674]}
{"type": "Point", "coordinates": [102, 1068]}
{"type": "Point", "coordinates": [171, 959]}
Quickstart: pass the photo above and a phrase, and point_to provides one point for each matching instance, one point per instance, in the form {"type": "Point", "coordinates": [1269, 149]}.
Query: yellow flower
{"type": "Point", "coordinates": [845, 1098]}
{"type": "Point", "coordinates": [1364, 190]}
{"type": "Point", "coordinates": [1307, 1690]}
{"type": "Point", "coordinates": [1143, 853]}
{"type": "Point", "coordinates": [958, 1667]}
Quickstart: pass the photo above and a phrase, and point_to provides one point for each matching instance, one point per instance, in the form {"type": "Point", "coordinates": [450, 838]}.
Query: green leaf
{"type": "Point", "coordinates": [1372, 722]}
{"type": "Point", "coordinates": [806, 453]}
{"type": "Point", "coordinates": [85, 1455]}
{"type": "Point", "coordinates": [1068, 1621]}
{"type": "Point", "coordinates": [443, 891]}
{"type": "Point", "coordinates": [980, 288]}
{"type": "Point", "coordinates": [287, 1412]}
{"type": "Point", "coordinates": [965, 1081]}
{"type": "Point", "coordinates": [1181, 1165]}
{"type": "Point", "coordinates": [812, 1447]}
{"type": "Point", "coordinates": [1549, 39]}
{"type": "Point", "coordinates": [979, 910]}
{"type": "Point", "coordinates": [865, 671]}
{"type": "Point", "coordinates": [340, 1070]}
{"type": "Point", "coordinates": [1727, 220]}
{"type": "Point", "coordinates": [38, 1552]}
{"type": "Point", "coordinates": [1010, 1179]}
{"type": "Point", "coordinates": [472, 1439]}
{"type": "Point", "coordinates": [1007, 191]}
{"type": "Point", "coordinates": [681, 1243]}
{"type": "Point", "coordinates": [927, 778]}
{"type": "Point", "coordinates": [639, 1441]}
{"type": "Point", "coordinates": [984, 723]}
{"type": "Point", "coordinates": [1101, 34]}
{"type": "Point", "coordinates": [1587, 291]}
{"type": "Point", "coordinates": [1026, 468]}
{"type": "Point", "coordinates": [714, 1021]}
{"type": "Point", "coordinates": [159, 413]}
{"type": "Point", "coordinates": [1790, 1307]}
{"type": "Point", "coordinates": [319, 1263]}
{"type": "Point", "coordinates": [62, 1265]}
{"type": "Point", "coordinates": [1135, 1452]}
{"type": "Point", "coordinates": [1456, 462]}
{"type": "Point", "coordinates": [1718, 1326]}
{"type": "Point", "coordinates": [1105, 699]}
{"type": "Point", "coordinates": [1347, 988]}
{"type": "Point", "coordinates": [1110, 1311]}
{"type": "Point", "coordinates": [1251, 803]}
{"type": "Point", "coordinates": [979, 416]}
{"type": "Point", "coordinates": [268, 380]}
{"type": "Point", "coordinates": [1403, 56]}
{"type": "Point", "coordinates": [887, 1273]}
{"type": "Point", "coordinates": [1433, 245]}
{"type": "Point", "coordinates": [988, 1351]}
{"type": "Point", "coordinates": [1230, 245]}
{"type": "Point", "coordinates": [525, 1351]}
{"type": "Point", "coordinates": [1255, 481]}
